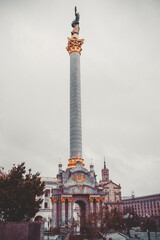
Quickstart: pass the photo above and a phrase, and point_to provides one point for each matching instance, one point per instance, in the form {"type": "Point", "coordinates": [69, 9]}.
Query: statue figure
{"type": "Point", "coordinates": [75, 23]}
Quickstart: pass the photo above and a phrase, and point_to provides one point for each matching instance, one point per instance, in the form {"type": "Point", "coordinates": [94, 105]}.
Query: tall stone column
{"type": "Point", "coordinates": [63, 210]}
{"type": "Point", "coordinates": [98, 223]}
{"type": "Point", "coordinates": [97, 204]}
{"type": "Point", "coordinates": [54, 212]}
{"type": "Point", "coordinates": [70, 211]}
{"type": "Point", "coordinates": [91, 204]}
{"type": "Point", "coordinates": [75, 107]}
{"type": "Point", "coordinates": [103, 206]}
{"type": "Point", "coordinates": [74, 49]}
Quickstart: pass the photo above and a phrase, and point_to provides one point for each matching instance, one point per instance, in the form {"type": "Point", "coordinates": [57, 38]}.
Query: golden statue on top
{"type": "Point", "coordinates": [74, 44]}
{"type": "Point", "coordinates": [75, 23]}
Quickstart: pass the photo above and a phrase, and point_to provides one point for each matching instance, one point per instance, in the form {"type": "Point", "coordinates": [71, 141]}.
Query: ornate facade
{"type": "Point", "coordinates": [75, 185]}
{"type": "Point", "coordinates": [111, 190]}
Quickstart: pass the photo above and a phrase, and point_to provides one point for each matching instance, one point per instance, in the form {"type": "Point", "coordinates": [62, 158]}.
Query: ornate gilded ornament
{"type": "Point", "coordinates": [91, 199]}
{"type": "Point", "coordinates": [97, 199]}
{"type": "Point", "coordinates": [74, 45]}
{"type": "Point", "coordinates": [102, 199]}
{"type": "Point", "coordinates": [55, 200]}
{"type": "Point", "coordinates": [63, 199]}
{"type": "Point", "coordinates": [79, 178]}
{"type": "Point", "coordinates": [69, 199]}
{"type": "Point", "coordinates": [73, 161]}
{"type": "Point", "coordinates": [80, 187]}
{"type": "Point", "coordinates": [75, 23]}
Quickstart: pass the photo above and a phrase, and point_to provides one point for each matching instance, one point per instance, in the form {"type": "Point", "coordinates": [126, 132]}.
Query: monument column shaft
{"type": "Point", "coordinates": [75, 106]}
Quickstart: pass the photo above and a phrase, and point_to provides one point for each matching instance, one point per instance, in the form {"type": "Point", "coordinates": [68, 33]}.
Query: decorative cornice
{"type": "Point", "coordinates": [63, 199]}
{"type": "Point", "coordinates": [73, 161]}
{"type": "Point", "coordinates": [97, 199]}
{"type": "Point", "coordinates": [74, 45]}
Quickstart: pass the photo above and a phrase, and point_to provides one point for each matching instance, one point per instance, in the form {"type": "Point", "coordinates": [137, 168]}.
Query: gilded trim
{"type": "Point", "coordinates": [55, 200]}
{"type": "Point", "coordinates": [73, 161]}
{"type": "Point", "coordinates": [79, 178]}
{"type": "Point", "coordinates": [74, 45]}
{"type": "Point", "coordinates": [91, 199]}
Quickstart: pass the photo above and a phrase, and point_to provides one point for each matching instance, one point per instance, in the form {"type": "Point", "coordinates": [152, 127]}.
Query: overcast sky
{"type": "Point", "coordinates": [120, 75]}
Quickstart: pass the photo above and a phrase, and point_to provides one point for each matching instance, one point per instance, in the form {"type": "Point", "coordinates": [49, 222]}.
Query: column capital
{"type": "Point", "coordinates": [63, 199]}
{"type": "Point", "coordinates": [55, 200]}
{"type": "Point", "coordinates": [97, 199]}
{"type": "Point", "coordinates": [69, 199]}
{"type": "Point", "coordinates": [74, 45]}
{"type": "Point", "coordinates": [91, 199]}
{"type": "Point", "coordinates": [102, 199]}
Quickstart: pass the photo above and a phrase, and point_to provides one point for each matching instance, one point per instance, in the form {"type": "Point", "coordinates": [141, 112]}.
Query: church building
{"type": "Point", "coordinates": [111, 190]}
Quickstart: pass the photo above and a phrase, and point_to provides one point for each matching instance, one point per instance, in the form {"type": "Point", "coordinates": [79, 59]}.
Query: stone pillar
{"type": "Point", "coordinates": [97, 204]}
{"type": "Point", "coordinates": [103, 203]}
{"type": "Point", "coordinates": [103, 206]}
{"type": "Point", "coordinates": [98, 223]}
{"type": "Point", "coordinates": [75, 106]}
{"type": "Point", "coordinates": [91, 204]}
{"type": "Point", "coordinates": [69, 211]}
{"type": "Point", "coordinates": [54, 212]}
{"type": "Point", "coordinates": [63, 210]}
{"type": "Point", "coordinates": [74, 49]}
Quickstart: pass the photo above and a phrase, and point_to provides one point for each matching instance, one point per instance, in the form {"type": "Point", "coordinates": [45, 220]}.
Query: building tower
{"type": "Point", "coordinates": [74, 49]}
{"type": "Point", "coordinates": [105, 173]}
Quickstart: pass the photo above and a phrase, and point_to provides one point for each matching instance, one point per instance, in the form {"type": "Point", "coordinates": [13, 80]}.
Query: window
{"type": "Point", "coordinates": [47, 193]}
{"type": "Point", "coordinates": [46, 205]}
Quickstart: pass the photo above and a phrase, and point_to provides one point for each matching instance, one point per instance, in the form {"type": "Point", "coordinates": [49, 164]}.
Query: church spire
{"type": "Point", "coordinates": [104, 163]}
{"type": "Point", "coordinates": [105, 173]}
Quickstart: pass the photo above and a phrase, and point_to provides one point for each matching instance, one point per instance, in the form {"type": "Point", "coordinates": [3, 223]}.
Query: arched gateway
{"type": "Point", "coordinates": [80, 211]}
{"type": "Point", "coordinates": [76, 184]}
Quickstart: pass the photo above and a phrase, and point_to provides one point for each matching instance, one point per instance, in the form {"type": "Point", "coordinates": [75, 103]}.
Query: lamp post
{"type": "Point", "coordinates": [128, 220]}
